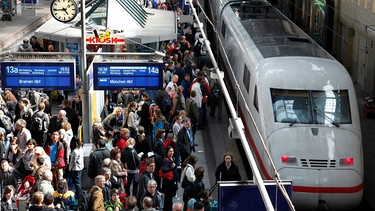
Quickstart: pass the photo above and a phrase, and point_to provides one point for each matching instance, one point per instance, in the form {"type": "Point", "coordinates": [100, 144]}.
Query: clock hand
{"type": "Point", "coordinates": [64, 9]}
{"type": "Point", "coordinates": [58, 9]}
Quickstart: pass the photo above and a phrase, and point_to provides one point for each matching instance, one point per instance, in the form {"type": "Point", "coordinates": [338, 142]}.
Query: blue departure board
{"type": "Point", "coordinates": [128, 75]}
{"type": "Point", "coordinates": [44, 75]}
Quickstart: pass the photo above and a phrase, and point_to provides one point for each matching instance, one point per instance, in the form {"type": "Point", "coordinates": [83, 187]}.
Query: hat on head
{"type": "Point", "coordinates": [39, 150]}
{"type": "Point", "coordinates": [150, 154]}
{"type": "Point", "coordinates": [191, 203]}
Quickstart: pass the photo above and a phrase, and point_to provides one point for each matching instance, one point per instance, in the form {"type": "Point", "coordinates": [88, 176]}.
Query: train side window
{"type": "Point", "coordinates": [223, 28]}
{"type": "Point", "coordinates": [246, 78]}
{"type": "Point", "coordinates": [255, 101]}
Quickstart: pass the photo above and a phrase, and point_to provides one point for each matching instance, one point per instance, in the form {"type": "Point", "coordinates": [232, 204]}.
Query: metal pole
{"type": "Point", "coordinates": [86, 112]}
{"type": "Point", "coordinates": [238, 122]}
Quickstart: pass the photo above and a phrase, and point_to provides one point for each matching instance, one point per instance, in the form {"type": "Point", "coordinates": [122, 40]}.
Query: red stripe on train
{"type": "Point", "coordinates": [307, 189]}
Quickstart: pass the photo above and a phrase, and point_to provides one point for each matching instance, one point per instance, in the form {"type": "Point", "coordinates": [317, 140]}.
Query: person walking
{"type": "Point", "coordinates": [227, 170]}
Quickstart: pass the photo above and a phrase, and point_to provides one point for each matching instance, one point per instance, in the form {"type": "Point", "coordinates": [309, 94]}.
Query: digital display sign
{"type": "Point", "coordinates": [128, 75]}
{"type": "Point", "coordinates": [245, 195]}
{"type": "Point", "coordinates": [44, 75]}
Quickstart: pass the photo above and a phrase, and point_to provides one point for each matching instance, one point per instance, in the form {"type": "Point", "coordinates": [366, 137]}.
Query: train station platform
{"type": "Point", "coordinates": [26, 20]}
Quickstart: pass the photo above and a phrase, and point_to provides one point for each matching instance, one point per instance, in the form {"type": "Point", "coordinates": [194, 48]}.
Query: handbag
{"type": "Point", "coordinates": [136, 175]}
{"type": "Point", "coordinates": [167, 175]}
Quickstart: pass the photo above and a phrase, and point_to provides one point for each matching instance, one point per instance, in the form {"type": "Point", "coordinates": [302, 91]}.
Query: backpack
{"type": "Point", "coordinates": [37, 124]}
{"type": "Point", "coordinates": [7, 123]}
{"type": "Point", "coordinates": [166, 104]}
{"type": "Point", "coordinates": [84, 201]}
{"type": "Point", "coordinates": [198, 48]}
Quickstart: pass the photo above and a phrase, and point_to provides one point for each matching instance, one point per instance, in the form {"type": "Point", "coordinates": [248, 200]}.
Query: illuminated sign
{"type": "Point", "coordinates": [107, 40]}
{"type": "Point", "coordinates": [41, 74]}
{"type": "Point", "coordinates": [128, 75]}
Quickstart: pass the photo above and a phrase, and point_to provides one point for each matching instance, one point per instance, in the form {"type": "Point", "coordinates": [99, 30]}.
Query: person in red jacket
{"type": "Point", "coordinates": [55, 150]}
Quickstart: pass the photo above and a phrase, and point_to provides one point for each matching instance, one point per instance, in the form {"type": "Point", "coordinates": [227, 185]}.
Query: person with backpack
{"type": "Point", "coordinates": [96, 158]}
{"type": "Point", "coordinates": [71, 115]}
{"type": "Point", "coordinates": [164, 102]}
{"type": "Point", "coordinates": [63, 195]}
{"type": "Point", "coordinates": [202, 89]}
{"type": "Point", "coordinates": [178, 101]}
{"type": "Point", "coordinates": [6, 123]}
{"type": "Point", "coordinates": [39, 125]}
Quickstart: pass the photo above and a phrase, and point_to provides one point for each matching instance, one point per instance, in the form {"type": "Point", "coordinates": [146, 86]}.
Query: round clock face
{"type": "Point", "coordinates": [64, 10]}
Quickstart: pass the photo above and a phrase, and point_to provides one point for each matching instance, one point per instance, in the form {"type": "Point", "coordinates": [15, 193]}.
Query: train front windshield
{"type": "Point", "coordinates": [311, 107]}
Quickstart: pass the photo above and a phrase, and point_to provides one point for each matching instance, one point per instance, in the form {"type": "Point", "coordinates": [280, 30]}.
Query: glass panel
{"type": "Point", "coordinates": [291, 106]}
{"type": "Point", "coordinates": [311, 107]}
{"type": "Point", "coordinates": [332, 106]}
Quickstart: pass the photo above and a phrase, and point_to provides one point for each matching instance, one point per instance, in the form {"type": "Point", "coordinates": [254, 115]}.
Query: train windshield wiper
{"type": "Point", "coordinates": [318, 111]}
{"type": "Point", "coordinates": [293, 122]}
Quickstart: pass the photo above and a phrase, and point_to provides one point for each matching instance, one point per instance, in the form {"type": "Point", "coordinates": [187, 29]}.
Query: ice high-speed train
{"type": "Point", "coordinates": [302, 100]}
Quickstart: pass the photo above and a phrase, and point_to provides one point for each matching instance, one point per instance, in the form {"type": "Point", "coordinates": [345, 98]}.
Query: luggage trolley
{"type": "Point", "coordinates": [7, 6]}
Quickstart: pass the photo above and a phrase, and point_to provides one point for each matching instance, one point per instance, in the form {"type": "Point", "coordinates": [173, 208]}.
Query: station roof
{"type": "Point", "coordinates": [136, 24]}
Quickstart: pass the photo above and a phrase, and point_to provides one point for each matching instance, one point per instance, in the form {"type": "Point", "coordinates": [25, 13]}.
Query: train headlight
{"type": "Point", "coordinates": [290, 160]}
{"type": "Point", "coordinates": [346, 162]}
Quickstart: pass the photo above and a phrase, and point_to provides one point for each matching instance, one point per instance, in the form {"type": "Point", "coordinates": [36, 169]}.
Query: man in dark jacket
{"type": "Point", "coordinates": [145, 115]}
{"type": "Point", "coordinates": [185, 139]}
{"type": "Point", "coordinates": [71, 115]}
{"type": "Point", "coordinates": [40, 135]}
{"type": "Point", "coordinates": [96, 159]}
{"type": "Point", "coordinates": [8, 174]}
{"type": "Point", "coordinates": [192, 111]}
{"type": "Point", "coordinates": [161, 99]}
{"type": "Point", "coordinates": [55, 122]}
{"type": "Point", "coordinates": [143, 180]}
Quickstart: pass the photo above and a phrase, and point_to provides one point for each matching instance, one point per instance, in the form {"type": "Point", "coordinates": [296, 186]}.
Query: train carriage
{"type": "Point", "coordinates": [302, 100]}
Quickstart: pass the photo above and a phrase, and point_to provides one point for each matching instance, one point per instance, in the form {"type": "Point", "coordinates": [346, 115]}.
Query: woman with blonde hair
{"type": "Point", "coordinates": [98, 131]}
{"type": "Point", "coordinates": [131, 120]}
{"type": "Point", "coordinates": [111, 122]}
{"type": "Point", "coordinates": [37, 201]}
{"type": "Point", "coordinates": [178, 101]}
{"type": "Point", "coordinates": [132, 159]}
